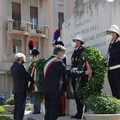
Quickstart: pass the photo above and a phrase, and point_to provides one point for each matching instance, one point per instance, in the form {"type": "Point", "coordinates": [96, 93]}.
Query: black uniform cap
{"type": "Point", "coordinates": [35, 52]}
{"type": "Point", "coordinates": [58, 43]}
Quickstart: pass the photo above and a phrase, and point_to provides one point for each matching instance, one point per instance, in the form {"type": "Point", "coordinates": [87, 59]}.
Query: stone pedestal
{"type": "Point", "coordinates": [10, 24]}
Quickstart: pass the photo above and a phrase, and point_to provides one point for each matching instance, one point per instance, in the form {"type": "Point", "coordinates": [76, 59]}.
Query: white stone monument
{"type": "Point", "coordinates": [90, 20]}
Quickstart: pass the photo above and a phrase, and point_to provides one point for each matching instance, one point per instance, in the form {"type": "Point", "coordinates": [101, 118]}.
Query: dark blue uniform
{"type": "Point", "coordinates": [53, 72]}
{"type": "Point", "coordinates": [114, 68]}
{"type": "Point", "coordinates": [74, 60]}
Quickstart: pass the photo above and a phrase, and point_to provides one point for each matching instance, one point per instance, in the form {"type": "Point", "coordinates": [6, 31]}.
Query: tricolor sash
{"type": "Point", "coordinates": [34, 75]}
{"type": "Point", "coordinates": [85, 65]}
{"type": "Point", "coordinates": [48, 64]}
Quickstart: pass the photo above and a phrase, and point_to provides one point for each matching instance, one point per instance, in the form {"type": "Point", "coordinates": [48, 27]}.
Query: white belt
{"type": "Point", "coordinates": [75, 68]}
{"type": "Point", "coordinates": [114, 67]}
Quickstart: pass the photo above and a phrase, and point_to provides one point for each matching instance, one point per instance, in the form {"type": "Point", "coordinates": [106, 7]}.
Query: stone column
{"type": "Point", "coordinates": [29, 27]}
{"type": "Point", "coordinates": [9, 44]}
{"type": "Point", "coordinates": [40, 46]}
{"type": "Point", "coordinates": [52, 20]}
{"type": "Point", "coordinates": [44, 48]}
{"type": "Point", "coordinates": [46, 31]}
{"type": "Point", "coordinates": [28, 37]}
{"type": "Point", "coordinates": [10, 24]}
{"type": "Point", "coordinates": [23, 45]}
{"type": "Point", "coordinates": [27, 41]}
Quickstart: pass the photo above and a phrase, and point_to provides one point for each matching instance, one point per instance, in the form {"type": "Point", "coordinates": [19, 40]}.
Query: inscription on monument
{"type": "Point", "coordinates": [90, 25]}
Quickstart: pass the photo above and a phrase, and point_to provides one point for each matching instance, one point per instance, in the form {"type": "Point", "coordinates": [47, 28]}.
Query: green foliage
{"type": "Point", "coordinates": [103, 104]}
{"type": "Point", "coordinates": [22, 28]}
{"type": "Point", "coordinates": [5, 118]}
{"type": "Point", "coordinates": [89, 89]}
{"type": "Point", "coordinates": [38, 29]}
{"type": "Point", "coordinates": [39, 72]}
{"type": "Point", "coordinates": [10, 101]}
{"type": "Point", "coordinates": [93, 85]}
{"type": "Point", "coordinates": [2, 110]}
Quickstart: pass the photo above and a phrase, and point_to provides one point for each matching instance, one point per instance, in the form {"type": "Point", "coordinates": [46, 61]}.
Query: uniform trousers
{"type": "Point", "coordinates": [114, 81]}
{"type": "Point", "coordinates": [52, 106]}
{"type": "Point", "coordinates": [63, 103]}
{"type": "Point", "coordinates": [77, 100]}
{"type": "Point", "coordinates": [20, 101]}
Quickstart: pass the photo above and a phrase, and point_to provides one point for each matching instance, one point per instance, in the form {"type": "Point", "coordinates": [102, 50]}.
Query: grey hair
{"type": "Point", "coordinates": [18, 55]}
{"type": "Point", "coordinates": [58, 48]}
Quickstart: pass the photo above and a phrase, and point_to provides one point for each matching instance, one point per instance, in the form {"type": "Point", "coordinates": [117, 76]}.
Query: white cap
{"type": "Point", "coordinates": [19, 55]}
{"type": "Point", "coordinates": [114, 28]}
{"type": "Point", "coordinates": [77, 38]}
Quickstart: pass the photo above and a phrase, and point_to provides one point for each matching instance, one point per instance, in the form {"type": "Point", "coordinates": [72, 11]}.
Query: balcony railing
{"type": "Point", "coordinates": [26, 26]}
{"type": "Point", "coordinates": [16, 25]}
{"type": "Point", "coordinates": [21, 25]}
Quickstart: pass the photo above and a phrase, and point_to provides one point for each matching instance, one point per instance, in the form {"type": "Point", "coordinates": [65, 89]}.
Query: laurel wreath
{"type": "Point", "coordinates": [93, 85]}
{"type": "Point", "coordinates": [37, 96]}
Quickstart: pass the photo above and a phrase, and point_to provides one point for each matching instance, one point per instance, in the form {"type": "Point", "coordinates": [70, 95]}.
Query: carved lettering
{"type": "Point", "coordinates": [99, 35]}
{"type": "Point", "coordinates": [84, 22]}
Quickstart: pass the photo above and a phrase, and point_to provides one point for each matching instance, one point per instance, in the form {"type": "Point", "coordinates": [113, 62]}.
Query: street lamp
{"type": "Point", "coordinates": [110, 0]}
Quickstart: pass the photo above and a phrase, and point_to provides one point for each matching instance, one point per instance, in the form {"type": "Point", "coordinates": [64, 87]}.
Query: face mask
{"type": "Point", "coordinates": [63, 56]}
{"type": "Point", "coordinates": [23, 61]}
{"type": "Point", "coordinates": [109, 37]}
{"type": "Point", "coordinates": [73, 44]}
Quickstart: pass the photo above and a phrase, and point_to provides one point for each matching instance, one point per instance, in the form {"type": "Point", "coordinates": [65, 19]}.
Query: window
{"type": "Point", "coordinates": [16, 15]}
{"type": "Point", "coordinates": [60, 19]}
{"type": "Point", "coordinates": [34, 16]}
{"type": "Point", "coordinates": [17, 46]}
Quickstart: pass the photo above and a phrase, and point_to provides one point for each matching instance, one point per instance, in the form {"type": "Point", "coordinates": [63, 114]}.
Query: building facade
{"type": "Point", "coordinates": [22, 20]}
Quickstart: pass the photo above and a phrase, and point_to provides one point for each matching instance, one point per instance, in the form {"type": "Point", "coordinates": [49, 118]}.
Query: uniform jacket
{"type": "Point", "coordinates": [114, 53]}
{"type": "Point", "coordinates": [53, 76]}
{"type": "Point", "coordinates": [20, 78]}
{"type": "Point", "coordinates": [75, 57]}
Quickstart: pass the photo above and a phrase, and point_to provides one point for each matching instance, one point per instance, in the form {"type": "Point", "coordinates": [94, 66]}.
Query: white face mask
{"type": "Point", "coordinates": [73, 44]}
{"type": "Point", "coordinates": [63, 56]}
{"type": "Point", "coordinates": [109, 37]}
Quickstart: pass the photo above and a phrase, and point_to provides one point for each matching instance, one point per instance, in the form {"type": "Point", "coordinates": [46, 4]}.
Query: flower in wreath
{"type": "Point", "coordinates": [35, 69]}
{"type": "Point", "coordinates": [92, 84]}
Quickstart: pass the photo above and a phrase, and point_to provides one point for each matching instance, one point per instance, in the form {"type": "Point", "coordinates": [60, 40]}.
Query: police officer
{"type": "Point", "coordinates": [114, 60]}
{"type": "Point", "coordinates": [77, 44]}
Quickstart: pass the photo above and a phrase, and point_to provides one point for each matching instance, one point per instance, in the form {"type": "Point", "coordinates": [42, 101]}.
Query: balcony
{"type": "Point", "coordinates": [26, 28]}
{"type": "Point", "coordinates": [19, 34]}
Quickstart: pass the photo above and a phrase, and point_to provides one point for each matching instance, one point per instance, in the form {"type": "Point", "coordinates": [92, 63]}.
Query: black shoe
{"type": "Point", "coordinates": [77, 116]}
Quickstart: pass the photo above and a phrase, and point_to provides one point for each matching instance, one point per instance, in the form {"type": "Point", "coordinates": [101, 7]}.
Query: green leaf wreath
{"type": "Point", "coordinates": [39, 72]}
{"type": "Point", "coordinates": [93, 85]}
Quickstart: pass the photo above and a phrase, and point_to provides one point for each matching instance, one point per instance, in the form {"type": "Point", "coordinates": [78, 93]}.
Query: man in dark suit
{"type": "Point", "coordinates": [53, 71]}
{"type": "Point", "coordinates": [20, 85]}
{"type": "Point", "coordinates": [64, 85]}
{"type": "Point", "coordinates": [74, 61]}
